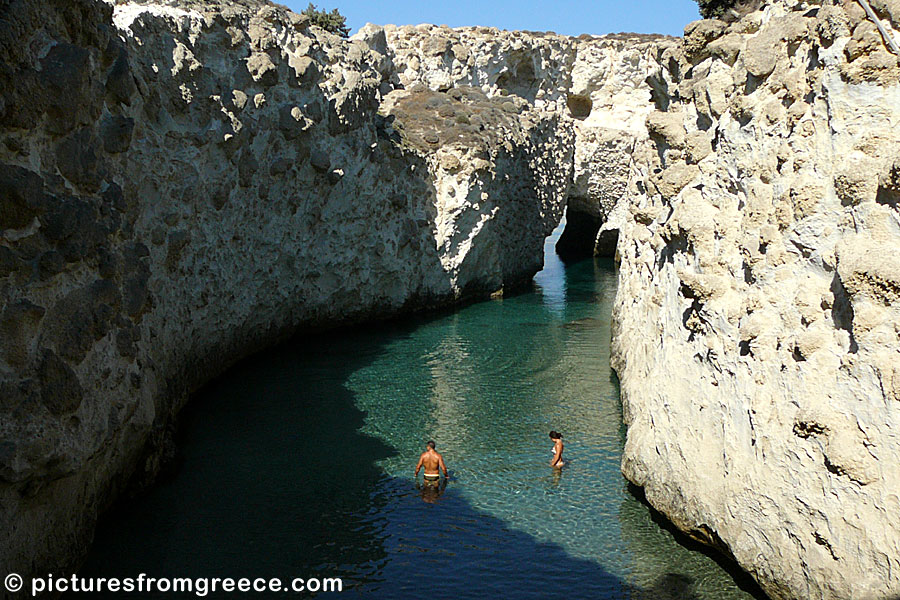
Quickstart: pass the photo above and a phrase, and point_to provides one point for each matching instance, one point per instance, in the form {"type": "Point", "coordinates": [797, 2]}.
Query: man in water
{"type": "Point", "coordinates": [433, 463]}
{"type": "Point", "coordinates": [431, 491]}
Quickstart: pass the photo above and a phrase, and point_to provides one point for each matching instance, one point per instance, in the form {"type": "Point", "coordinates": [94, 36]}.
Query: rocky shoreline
{"type": "Point", "coordinates": [186, 182]}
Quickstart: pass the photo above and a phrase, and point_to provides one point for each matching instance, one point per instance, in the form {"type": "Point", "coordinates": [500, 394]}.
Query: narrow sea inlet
{"type": "Point", "coordinates": [299, 463]}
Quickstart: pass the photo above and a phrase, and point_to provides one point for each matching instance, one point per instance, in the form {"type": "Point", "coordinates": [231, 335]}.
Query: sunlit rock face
{"type": "Point", "coordinates": [757, 323]}
{"type": "Point", "coordinates": [184, 183]}
{"type": "Point", "coordinates": [609, 99]}
{"type": "Point", "coordinates": [598, 85]}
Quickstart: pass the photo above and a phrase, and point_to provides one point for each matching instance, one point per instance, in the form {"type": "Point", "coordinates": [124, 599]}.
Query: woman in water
{"type": "Point", "coordinates": [557, 461]}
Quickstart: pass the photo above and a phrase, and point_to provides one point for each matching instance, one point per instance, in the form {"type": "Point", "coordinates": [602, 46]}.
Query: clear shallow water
{"type": "Point", "coordinates": [299, 462]}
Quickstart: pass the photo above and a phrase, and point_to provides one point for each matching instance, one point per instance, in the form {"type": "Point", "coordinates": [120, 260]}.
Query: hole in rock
{"type": "Point", "coordinates": [579, 106]}
{"type": "Point", "coordinates": [842, 310]}
{"type": "Point", "coordinates": [607, 240]}
{"type": "Point", "coordinates": [659, 89]}
{"type": "Point", "coordinates": [520, 79]}
{"type": "Point", "coordinates": [704, 122]}
{"type": "Point", "coordinates": [579, 237]}
{"type": "Point", "coordinates": [748, 274]}
{"type": "Point", "coordinates": [805, 429]}
{"type": "Point", "coordinates": [888, 197]}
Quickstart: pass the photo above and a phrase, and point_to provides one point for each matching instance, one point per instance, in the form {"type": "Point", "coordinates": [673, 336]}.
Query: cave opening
{"type": "Point", "coordinates": [520, 79]}
{"type": "Point", "coordinates": [584, 235]}
{"type": "Point", "coordinates": [888, 197]}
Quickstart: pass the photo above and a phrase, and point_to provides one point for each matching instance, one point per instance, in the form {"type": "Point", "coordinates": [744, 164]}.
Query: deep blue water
{"type": "Point", "coordinates": [299, 462]}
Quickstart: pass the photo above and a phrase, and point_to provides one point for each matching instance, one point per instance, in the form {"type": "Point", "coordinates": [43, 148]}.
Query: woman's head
{"type": "Point", "coordinates": [555, 435]}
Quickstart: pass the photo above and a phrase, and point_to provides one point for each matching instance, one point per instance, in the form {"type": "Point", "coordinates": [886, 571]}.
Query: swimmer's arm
{"type": "Point", "coordinates": [419, 465]}
{"type": "Point", "coordinates": [443, 466]}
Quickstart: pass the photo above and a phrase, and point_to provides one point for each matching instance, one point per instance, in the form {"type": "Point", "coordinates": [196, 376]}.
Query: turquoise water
{"type": "Point", "coordinates": [299, 462]}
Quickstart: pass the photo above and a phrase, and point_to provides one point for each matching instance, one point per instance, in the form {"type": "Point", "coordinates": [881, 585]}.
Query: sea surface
{"type": "Point", "coordinates": [299, 463]}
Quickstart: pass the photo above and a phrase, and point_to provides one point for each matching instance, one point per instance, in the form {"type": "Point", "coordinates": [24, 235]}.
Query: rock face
{"type": "Point", "coordinates": [757, 324]}
{"type": "Point", "coordinates": [610, 98]}
{"type": "Point", "coordinates": [183, 183]}
{"type": "Point", "coordinates": [599, 85]}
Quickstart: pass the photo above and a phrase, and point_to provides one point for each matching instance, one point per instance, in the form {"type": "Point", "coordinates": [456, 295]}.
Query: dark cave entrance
{"type": "Point", "coordinates": [582, 236]}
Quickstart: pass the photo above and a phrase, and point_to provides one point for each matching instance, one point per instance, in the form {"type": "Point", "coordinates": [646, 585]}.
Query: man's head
{"type": "Point", "coordinates": [430, 444]}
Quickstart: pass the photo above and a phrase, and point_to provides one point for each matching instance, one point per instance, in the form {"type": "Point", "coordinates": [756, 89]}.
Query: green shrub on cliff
{"type": "Point", "coordinates": [713, 9]}
{"type": "Point", "coordinates": [332, 21]}
{"type": "Point", "coordinates": [717, 9]}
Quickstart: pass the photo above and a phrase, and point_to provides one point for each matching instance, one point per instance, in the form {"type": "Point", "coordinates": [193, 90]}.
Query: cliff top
{"type": "Point", "coordinates": [200, 4]}
{"type": "Point", "coordinates": [486, 30]}
{"type": "Point", "coordinates": [207, 5]}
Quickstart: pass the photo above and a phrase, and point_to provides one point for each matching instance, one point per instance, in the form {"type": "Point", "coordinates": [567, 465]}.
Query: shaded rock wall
{"type": "Point", "coordinates": [186, 182]}
{"type": "Point", "coordinates": [757, 324]}
{"type": "Point", "coordinates": [183, 183]}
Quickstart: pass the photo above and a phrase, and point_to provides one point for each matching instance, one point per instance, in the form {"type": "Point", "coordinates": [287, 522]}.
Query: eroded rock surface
{"type": "Point", "coordinates": [757, 323]}
{"type": "Point", "coordinates": [183, 183]}
{"type": "Point", "coordinates": [610, 99]}
{"type": "Point", "coordinates": [601, 87]}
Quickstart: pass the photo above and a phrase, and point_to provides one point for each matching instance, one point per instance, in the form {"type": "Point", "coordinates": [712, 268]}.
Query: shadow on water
{"type": "Point", "coordinates": [261, 486]}
{"type": "Point", "coordinates": [278, 475]}
{"type": "Point", "coordinates": [277, 480]}
{"type": "Point", "coordinates": [741, 578]}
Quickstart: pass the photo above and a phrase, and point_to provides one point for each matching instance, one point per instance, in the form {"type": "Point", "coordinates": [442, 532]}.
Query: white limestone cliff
{"type": "Point", "coordinates": [598, 85]}
{"type": "Point", "coordinates": [757, 322]}
{"type": "Point", "coordinates": [610, 99]}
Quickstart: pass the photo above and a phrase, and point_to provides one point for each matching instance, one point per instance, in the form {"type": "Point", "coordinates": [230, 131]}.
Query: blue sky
{"type": "Point", "coordinates": [566, 17]}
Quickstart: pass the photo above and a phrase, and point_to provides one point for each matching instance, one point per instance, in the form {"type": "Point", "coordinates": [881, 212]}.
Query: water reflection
{"type": "Point", "coordinates": [526, 368]}
{"type": "Point", "coordinates": [299, 462]}
{"type": "Point", "coordinates": [431, 491]}
{"type": "Point", "coordinates": [551, 281]}
{"type": "Point", "coordinates": [449, 359]}
{"type": "Point", "coordinates": [553, 480]}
